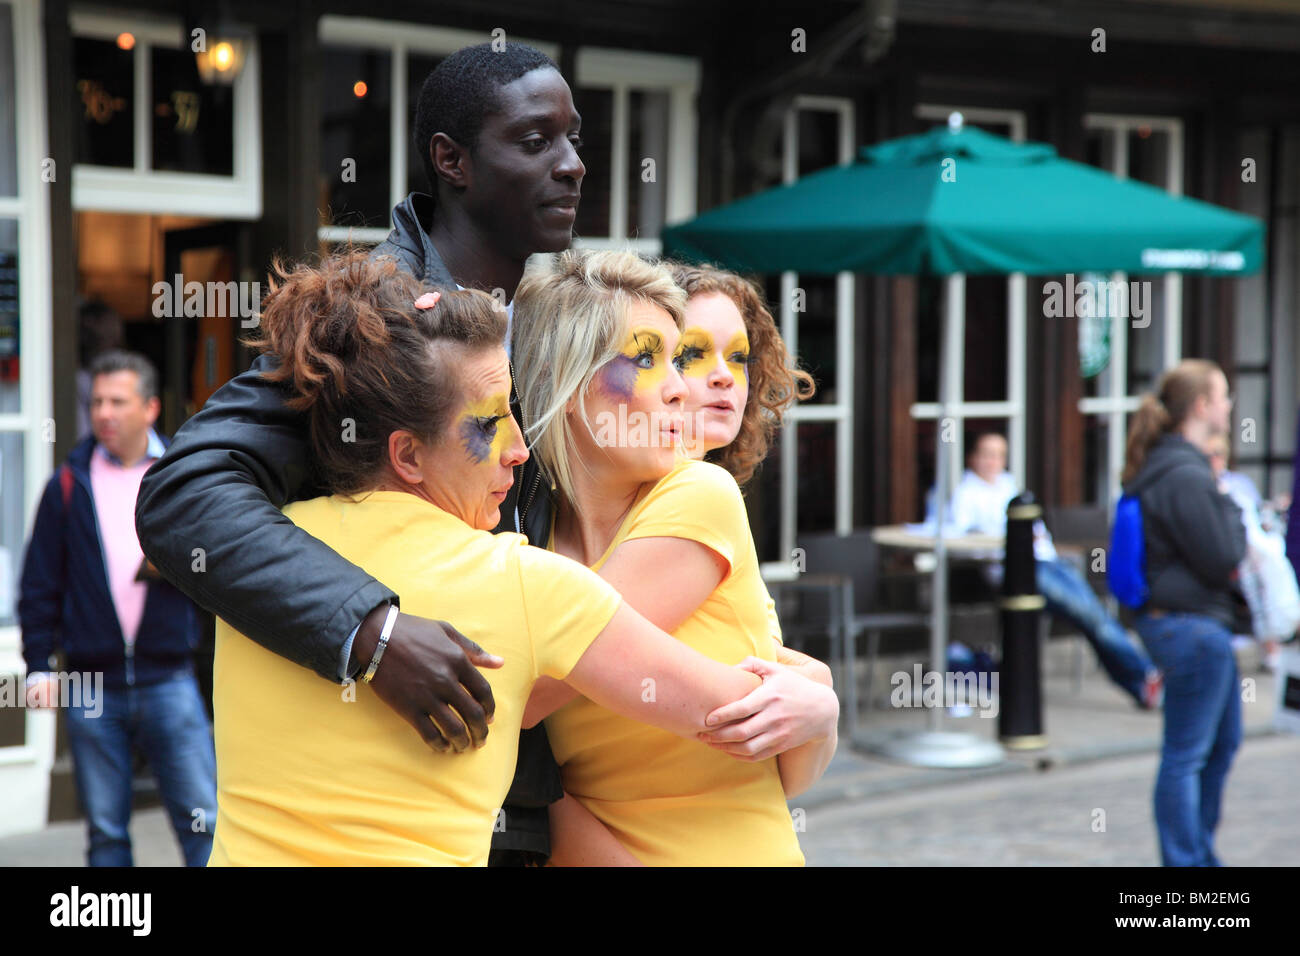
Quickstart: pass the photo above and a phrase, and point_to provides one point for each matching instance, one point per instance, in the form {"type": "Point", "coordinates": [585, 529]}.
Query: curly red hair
{"type": "Point", "coordinates": [774, 381]}
{"type": "Point", "coordinates": [349, 343]}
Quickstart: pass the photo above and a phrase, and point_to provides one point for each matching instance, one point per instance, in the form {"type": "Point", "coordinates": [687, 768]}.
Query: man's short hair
{"type": "Point", "coordinates": [980, 436]}
{"type": "Point", "coordinates": [462, 91]}
{"type": "Point", "coordinates": [118, 360]}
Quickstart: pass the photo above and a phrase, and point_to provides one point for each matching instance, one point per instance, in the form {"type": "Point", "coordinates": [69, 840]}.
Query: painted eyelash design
{"type": "Point", "coordinates": [688, 356]}
{"type": "Point", "coordinates": [656, 349]}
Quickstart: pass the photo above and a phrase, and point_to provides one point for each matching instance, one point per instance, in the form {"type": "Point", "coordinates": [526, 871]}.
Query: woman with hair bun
{"type": "Point", "coordinates": [1194, 539]}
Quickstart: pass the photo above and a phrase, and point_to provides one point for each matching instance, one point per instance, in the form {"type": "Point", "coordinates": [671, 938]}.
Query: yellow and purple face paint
{"type": "Point", "coordinates": [483, 429]}
{"type": "Point", "coordinates": [694, 356]}
{"type": "Point", "coordinates": [641, 368]}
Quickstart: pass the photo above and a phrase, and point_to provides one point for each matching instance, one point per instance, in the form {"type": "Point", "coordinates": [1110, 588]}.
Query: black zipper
{"type": "Point", "coordinates": [523, 426]}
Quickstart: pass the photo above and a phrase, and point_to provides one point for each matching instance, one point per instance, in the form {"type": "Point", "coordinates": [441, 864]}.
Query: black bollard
{"type": "Point", "coordinates": [1020, 696]}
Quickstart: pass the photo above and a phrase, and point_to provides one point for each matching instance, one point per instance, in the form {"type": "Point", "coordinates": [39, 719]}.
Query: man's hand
{"type": "Point", "coordinates": [428, 676]}
{"type": "Point", "coordinates": [786, 711]}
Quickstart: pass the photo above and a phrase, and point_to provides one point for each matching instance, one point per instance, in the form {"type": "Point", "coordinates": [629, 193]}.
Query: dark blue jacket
{"type": "Point", "coordinates": [65, 601]}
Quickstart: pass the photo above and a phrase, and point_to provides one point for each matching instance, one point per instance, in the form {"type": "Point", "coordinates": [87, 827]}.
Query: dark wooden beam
{"type": "Point", "coordinates": [61, 130]}
{"type": "Point", "coordinates": [904, 482]}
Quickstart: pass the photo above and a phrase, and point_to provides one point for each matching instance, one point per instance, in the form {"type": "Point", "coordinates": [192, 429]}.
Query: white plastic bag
{"type": "Point", "coordinates": [1269, 585]}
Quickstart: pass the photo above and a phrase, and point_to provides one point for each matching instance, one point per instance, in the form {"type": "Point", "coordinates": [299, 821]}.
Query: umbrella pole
{"type": "Point", "coordinates": [935, 747]}
{"type": "Point", "coordinates": [939, 600]}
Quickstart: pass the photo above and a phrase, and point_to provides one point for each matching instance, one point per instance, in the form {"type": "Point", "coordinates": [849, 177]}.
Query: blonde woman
{"type": "Point", "coordinates": [594, 339]}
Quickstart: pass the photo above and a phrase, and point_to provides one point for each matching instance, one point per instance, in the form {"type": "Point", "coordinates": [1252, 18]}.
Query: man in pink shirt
{"type": "Point", "coordinates": [85, 591]}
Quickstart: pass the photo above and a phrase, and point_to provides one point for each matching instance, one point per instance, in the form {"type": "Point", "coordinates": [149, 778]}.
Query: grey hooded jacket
{"type": "Point", "coordinates": [1194, 535]}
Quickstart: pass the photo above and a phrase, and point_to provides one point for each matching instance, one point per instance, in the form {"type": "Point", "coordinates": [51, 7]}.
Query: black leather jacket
{"type": "Point", "coordinates": [208, 516]}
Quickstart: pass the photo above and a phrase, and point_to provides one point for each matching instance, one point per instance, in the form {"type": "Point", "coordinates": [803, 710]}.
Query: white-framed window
{"type": "Point", "coordinates": [1150, 149]}
{"type": "Point", "coordinates": [26, 384]}
{"type": "Point", "coordinates": [639, 130]}
{"type": "Point", "coordinates": [153, 136]}
{"type": "Point", "coordinates": [370, 125]}
{"type": "Point", "coordinates": [816, 317]}
{"type": "Point", "coordinates": [1010, 407]}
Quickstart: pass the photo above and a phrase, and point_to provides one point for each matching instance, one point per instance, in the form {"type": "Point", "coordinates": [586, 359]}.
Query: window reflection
{"type": "Point", "coordinates": [596, 107]}
{"type": "Point", "coordinates": [104, 100]}
{"type": "Point", "coordinates": [193, 122]}
{"type": "Point", "coordinates": [356, 139]}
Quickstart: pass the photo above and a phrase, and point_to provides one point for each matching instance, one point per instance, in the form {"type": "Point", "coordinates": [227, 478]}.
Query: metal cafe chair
{"type": "Point", "coordinates": [836, 595]}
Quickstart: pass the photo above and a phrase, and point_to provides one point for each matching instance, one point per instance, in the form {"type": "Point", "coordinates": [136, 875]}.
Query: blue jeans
{"type": "Point", "coordinates": [1069, 596]}
{"type": "Point", "coordinates": [170, 725]}
{"type": "Point", "coordinates": [1202, 731]}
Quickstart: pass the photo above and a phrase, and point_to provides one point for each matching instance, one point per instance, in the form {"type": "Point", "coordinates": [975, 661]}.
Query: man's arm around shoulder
{"type": "Point", "coordinates": [208, 517]}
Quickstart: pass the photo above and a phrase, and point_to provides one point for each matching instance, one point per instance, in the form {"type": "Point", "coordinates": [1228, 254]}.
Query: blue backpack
{"type": "Point", "coordinates": [1126, 571]}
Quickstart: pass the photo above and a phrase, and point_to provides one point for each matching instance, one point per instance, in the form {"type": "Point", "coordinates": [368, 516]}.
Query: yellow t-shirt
{"type": "Point", "coordinates": [307, 776]}
{"type": "Point", "coordinates": [672, 801]}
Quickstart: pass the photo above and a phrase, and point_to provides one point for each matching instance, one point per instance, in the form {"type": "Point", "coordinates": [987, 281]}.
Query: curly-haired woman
{"type": "Point", "coordinates": [597, 344]}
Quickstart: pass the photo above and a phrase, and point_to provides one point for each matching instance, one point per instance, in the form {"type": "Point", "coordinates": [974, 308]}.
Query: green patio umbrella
{"type": "Point", "coordinates": [966, 201]}
{"type": "Point", "coordinates": [953, 201]}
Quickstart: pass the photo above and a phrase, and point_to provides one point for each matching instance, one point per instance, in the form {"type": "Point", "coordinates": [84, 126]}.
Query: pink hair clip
{"type": "Point", "coordinates": [428, 300]}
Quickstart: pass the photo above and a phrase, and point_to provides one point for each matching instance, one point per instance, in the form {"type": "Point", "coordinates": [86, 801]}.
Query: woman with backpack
{"type": "Point", "coordinates": [1193, 539]}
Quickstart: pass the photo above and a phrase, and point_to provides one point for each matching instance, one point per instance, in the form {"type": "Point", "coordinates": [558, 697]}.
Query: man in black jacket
{"type": "Point", "coordinates": [499, 135]}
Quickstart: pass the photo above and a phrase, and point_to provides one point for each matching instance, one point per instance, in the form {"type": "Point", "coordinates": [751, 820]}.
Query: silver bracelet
{"type": "Point", "coordinates": [383, 643]}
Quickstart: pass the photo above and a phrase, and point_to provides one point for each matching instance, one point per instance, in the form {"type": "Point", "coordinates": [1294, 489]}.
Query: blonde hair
{"type": "Point", "coordinates": [570, 315]}
{"type": "Point", "coordinates": [1165, 409]}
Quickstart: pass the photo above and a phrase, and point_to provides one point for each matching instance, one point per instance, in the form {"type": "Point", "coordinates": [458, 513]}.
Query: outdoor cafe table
{"type": "Point", "coordinates": [966, 545]}
{"type": "Point", "coordinates": [935, 748]}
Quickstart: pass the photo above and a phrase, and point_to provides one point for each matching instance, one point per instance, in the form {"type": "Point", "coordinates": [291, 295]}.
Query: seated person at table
{"type": "Point", "coordinates": [979, 505]}
{"type": "Point", "coordinates": [410, 424]}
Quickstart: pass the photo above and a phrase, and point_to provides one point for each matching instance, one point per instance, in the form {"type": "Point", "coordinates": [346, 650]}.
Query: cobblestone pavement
{"type": "Point", "coordinates": [1021, 819]}
{"type": "Point", "coordinates": [1047, 818]}
{"type": "Point", "coordinates": [867, 811]}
